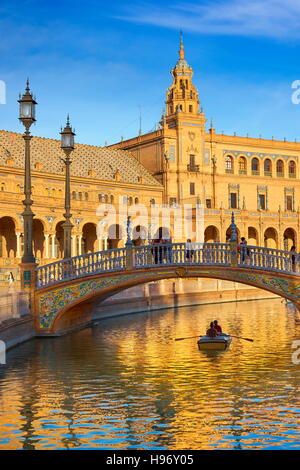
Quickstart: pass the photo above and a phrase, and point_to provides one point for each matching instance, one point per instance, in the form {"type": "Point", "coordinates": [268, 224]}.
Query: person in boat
{"type": "Point", "coordinates": [217, 327]}
{"type": "Point", "coordinates": [211, 332]}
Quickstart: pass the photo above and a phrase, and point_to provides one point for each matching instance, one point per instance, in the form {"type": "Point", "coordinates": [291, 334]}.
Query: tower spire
{"type": "Point", "coordinates": [181, 47]}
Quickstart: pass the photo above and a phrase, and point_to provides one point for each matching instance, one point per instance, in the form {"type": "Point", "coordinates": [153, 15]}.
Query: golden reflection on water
{"type": "Point", "coordinates": [126, 383]}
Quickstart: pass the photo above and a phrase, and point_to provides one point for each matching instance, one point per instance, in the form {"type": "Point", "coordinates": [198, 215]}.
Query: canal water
{"type": "Point", "coordinates": [126, 384]}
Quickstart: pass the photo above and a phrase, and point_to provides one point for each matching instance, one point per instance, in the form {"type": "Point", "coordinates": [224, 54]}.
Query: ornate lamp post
{"type": "Point", "coordinates": [27, 117]}
{"type": "Point", "coordinates": [67, 144]}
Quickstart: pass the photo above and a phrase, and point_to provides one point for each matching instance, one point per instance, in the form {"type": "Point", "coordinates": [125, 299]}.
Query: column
{"type": "Point", "coordinates": [79, 245]}
{"type": "Point", "coordinates": [18, 234]}
{"type": "Point", "coordinates": [105, 241]}
{"type": "Point", "coordinates": [74, 237]}
{"type": "Point", "coordinates": [47, 235]}
{"type": "Point", "coordinates": [53, 246]}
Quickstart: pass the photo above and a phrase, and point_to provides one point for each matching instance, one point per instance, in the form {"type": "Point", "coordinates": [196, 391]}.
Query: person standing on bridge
{"type": "Point", "coordinates": [293, 257]}
{"type": "Point", "coordinates": [156, 251]}
{"type": "Point", "coordinates": [189, 254]}
{"type": "Point", "coordinates": [243, 250]}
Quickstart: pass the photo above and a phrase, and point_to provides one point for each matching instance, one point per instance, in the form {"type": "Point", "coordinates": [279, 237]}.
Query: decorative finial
{"type": "Point", "coordinates": [68, 120]}
{"type": "Point", "coordinates": [233, 233]}
{"type": "Point", "coordinates": [27, 85]}
{"type": "Point", "coordinates": [129, 241]}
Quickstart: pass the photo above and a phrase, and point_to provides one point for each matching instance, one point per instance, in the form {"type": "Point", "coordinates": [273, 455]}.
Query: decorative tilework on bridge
{"type": "Point", "coordinates": [51, 303]}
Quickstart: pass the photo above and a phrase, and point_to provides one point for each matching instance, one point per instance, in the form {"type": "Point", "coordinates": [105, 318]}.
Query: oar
{"type": "Point", "coordinates": [240, 337]}
{"type": "Point", "coordinates": [188, 337]}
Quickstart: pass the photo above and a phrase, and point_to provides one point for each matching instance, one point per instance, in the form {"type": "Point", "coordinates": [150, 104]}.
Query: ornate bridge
{"type": "Point", "coordinates": [64, 291]}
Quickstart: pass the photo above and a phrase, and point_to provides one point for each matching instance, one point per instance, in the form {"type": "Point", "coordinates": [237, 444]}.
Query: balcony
{"type": "Point", "coordinates": [292, 175]}
{"type": "Point", "coordinates": [268, 173]}
{"type": "Point", "coordinates": [280, 174]}
{"type": "Point", "coordinates": [242, 172]}
{"type": "Point", "coordinates": [229, 170]}
{"type": "Point", "coordinates": [255, 172]}
{"type": "Point", "coordinates": [193, 168]}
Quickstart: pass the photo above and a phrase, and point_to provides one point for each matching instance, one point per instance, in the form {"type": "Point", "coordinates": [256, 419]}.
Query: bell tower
{"type": "Point", "coordinates": [182, 95]}
{"type": "Point", "coordinates": [184, 135]}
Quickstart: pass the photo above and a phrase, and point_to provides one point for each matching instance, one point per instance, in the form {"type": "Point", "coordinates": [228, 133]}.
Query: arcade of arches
{"type": "Point", "coordinates": [48, 245]}
{"type": "Point", "coordinates": [270, 236]}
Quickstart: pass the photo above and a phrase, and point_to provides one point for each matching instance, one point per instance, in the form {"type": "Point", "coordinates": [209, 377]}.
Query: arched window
{"type": "Point", "coordinates": [255, 166]}
{"type": "Point", "coordinates": [292, 169]}
{"type": "Point", "coordinates": [73, 194]}
{"type": "Point", "coordinates": [86, 196]}
{"type": "Point", "coordinates": [130, 201]}
{"type": "Point", "coordinates": [106, 198]}
{"type": "Point", "coordinates": [242, 166]}
{"type": "Point", "coordinates": [2, 186]}
{"type": "Point", "coordinates": [190, 108]}
{"type": "Point", "coordinates": [268, 167]}
{"type": "Point", "coordinates": [136, 201]}
{"type": "Point", "coordinates": [280, 168]}
{"type": "Point", "coordinates": [111, 199]}
{"type": "Point", "coordinates": [80, 196]}
{"type": "Point", "coordinates": [228, 164]}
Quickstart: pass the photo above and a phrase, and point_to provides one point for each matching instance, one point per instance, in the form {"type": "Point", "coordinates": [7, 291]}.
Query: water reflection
{"type": "Point", "coordinates": [126, 384]}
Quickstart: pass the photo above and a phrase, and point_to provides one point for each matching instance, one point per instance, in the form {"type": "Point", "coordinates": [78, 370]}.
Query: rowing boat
{"type": "Point", "coordinates": [218, 343]}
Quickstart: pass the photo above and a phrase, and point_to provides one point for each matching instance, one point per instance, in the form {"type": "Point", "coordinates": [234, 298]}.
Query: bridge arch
{"type": "Point", "coordinates": [63, 307]}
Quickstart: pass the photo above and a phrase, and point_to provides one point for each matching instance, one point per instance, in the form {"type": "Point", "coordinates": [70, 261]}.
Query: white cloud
{"type": "Point", "coordinates": [267, 18]}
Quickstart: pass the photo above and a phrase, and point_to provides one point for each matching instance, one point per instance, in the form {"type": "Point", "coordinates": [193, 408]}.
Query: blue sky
{"type": "Point", "coordinates": [100, 61]}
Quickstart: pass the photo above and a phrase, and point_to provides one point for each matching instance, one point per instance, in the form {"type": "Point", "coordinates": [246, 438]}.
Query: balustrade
{"type": "Point", "coordinates": [217, 254]}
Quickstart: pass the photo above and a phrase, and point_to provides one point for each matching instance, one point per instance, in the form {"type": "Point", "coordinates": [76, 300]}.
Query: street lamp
{"type": "Point", "coordinates": [67, 144]}
{"type": "Point", "coordinates": [27, 117]}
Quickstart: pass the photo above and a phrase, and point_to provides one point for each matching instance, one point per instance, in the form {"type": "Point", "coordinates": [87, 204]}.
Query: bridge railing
{"type": "Point", "coordinates": [268, 258]}
{"type": "Point", "coordinates": [142, 256]}
{"type": "Point", "coordinates": [83, 265]}
{"type": "Point", "coordinates": [181, 253]}
{"type": "Point", "coordinates": [138, 257]}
